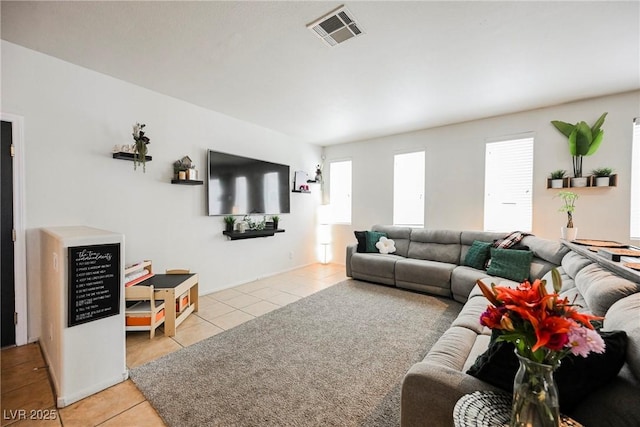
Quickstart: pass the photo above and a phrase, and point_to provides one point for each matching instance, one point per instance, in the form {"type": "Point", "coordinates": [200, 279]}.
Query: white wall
{"type": "Point", "coordinates": [72, 119]}
{"type": "Point", "coordinates": [455, 171]}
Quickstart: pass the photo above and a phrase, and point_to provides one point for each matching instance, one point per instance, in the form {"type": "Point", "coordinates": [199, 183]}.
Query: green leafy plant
{"type": "Point", "coordinates": [583, 140]}
{"type": "Point", "coordinates": [276, 220]}
{"type": "Point", "coordinates": [602, 172]}
{"type": "Point", "coordinates": [558, 174]}
{"type": "Point", "coordinates": [141, 142]}
{"type": "Point", "coordinates": [569, 205]}
{"type": "Point", "coordinates": [253, 224]}
{"type": "Point", "coordinates": [229, 220]}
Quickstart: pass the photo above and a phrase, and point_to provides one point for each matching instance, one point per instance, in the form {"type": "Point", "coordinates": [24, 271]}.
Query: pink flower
{"type": "Point", "coordinates": [582, 341]}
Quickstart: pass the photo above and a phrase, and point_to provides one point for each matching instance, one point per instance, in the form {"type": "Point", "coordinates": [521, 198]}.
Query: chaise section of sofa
{"type": "Point", "coordinates": [432, 387]}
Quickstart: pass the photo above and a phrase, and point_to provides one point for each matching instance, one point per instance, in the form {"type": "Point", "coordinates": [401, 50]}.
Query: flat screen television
{"type": "Point", "coordinates": [243, 186]}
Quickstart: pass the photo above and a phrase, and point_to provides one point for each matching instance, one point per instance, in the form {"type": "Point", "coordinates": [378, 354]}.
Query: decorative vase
{"type": "Point", "coordinates": [579, 182]}
{"type": "Point", "coordinates": [602, 181]}
{"type": "Point", "coordinates": [535, 396]}
{"type": "Point", "coordinates": [569, 234]}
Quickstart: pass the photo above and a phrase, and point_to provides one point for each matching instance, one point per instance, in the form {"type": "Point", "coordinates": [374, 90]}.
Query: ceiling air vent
{"type": "Point", "coordinates": [336, 27]}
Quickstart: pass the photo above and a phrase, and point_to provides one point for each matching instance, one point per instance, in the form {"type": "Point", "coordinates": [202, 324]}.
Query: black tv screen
{"type": "Point", "coordinates": [242, 186]}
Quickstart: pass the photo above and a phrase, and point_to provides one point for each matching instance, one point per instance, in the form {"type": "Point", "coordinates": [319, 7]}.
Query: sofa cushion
{"type": "Point", "coordinates": [510, 264]}
{"type": "Point", "coordinates": [374, 267]}
{"type": "Point", "coordinates": [463, 279]}
{"type": "Point", "coordinates": [477, 255]}
{"type": "Point", "coordinates": [576, 377]}
{"type": "Point", "coordinates": [573, 262]}
{"type": "Point", "coordinates": [453, 348]}
{"type": "Point", "coordinates": [400, 235]}
{"type": "Point", "coordinates": [429, 276]}
{"type": "Point", "coordinates": [469, 316]}
{"type": "Point", "coordinates": [601, 288]}
{"type": "Point", "coordinates": [625, 315]}
{"type": "Point", "coordinates": [435, 245]}
{"type": "Point", "coordinates": [468, 237]}
{"type": "Point", "coordinates": [373, 237]}
{"type": "Point", "coordinates": [361, 237]}
{"type": "Point", "coordinates": [548, 250]}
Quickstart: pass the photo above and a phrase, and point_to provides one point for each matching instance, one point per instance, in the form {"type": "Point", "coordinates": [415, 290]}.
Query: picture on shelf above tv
{"type": "Point", "coordinates": [239, 185]}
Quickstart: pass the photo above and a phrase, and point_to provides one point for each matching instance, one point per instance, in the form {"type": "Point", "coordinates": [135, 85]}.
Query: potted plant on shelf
{"type": "Point", "coordinates": [230, 222]}
{"type": "Point", "coordinates": [569, 206]}
{"type": "Point", "coordinates": [275, 219]}
{"type": "Point", "coordinates": [141, 142]}
{"type": "Point", "coordinates": [603, 176]}
{"type": "Point", "coordinates": [557, 178]}
{"type": "Point", "coordinates": [182, 165]}
{"type": "Point", "coordinates": [583, 141]}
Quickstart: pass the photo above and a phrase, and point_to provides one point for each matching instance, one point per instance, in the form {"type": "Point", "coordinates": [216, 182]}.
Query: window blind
{"type": "Point", "coordinates": [508, 185]}
{"type": "Point", "coordinates": [408, 189]}
{"type": "Point", "coordinates": [340, 191]}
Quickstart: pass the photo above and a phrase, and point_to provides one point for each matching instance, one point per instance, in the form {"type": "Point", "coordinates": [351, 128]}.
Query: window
{"type": "Point", "coordinates": [508, 185]}
{"type": "Point", "coordinates": [408, 189]}
{"type": "Point", "coordinates": [635, 181]}
{"type": "Point", "coordinates": [340, 191]}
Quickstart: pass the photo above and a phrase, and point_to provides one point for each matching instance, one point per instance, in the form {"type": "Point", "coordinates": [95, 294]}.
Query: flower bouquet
{"type": "Point", "coordinates": [544, 328]}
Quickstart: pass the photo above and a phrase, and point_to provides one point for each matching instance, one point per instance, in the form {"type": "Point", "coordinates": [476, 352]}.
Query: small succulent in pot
{"type": "Point", "coordinates": [602, 172]}
{"type": "Point", "coordinates": [276, 220]}
{"type": "Point", "coordinates": [558, 174]}
{"type": "Point", "coordinates": [230, 222]}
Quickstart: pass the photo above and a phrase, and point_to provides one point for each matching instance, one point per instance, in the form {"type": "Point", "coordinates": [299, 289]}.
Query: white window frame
{"type": "Point", "coordinates": [414, 199]}
{"type": "Point", "coordinates": [340, 193]}
{"type": "Point", "coordinates": [509, 185]}
{"type": "Point", "coordinates": [634, 220]}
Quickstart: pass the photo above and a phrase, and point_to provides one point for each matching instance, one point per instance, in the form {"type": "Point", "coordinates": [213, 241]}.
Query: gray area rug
{"type": "Point", "coordinates": [335, 358]}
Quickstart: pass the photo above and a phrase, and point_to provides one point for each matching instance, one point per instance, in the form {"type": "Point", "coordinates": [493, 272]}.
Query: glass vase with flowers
{"type": "Point", "coordinates": [544, 328]}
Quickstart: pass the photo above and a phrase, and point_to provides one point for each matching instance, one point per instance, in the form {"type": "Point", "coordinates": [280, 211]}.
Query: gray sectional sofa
{"type": "Point", "coordinates": [432, 261]}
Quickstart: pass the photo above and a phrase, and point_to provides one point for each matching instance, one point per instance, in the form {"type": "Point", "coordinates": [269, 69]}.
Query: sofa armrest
{"type": "Point", "coordinates": [430, 391]}
{"type": "Point", "coordinates": [351, 249]}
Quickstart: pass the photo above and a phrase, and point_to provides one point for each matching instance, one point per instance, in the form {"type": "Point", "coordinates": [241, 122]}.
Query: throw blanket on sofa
{"type": "Point", "coordinates": [511, 240]}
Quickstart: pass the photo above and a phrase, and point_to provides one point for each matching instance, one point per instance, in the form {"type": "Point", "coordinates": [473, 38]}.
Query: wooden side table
{"type": "Point", "coordinates": [490, 409]}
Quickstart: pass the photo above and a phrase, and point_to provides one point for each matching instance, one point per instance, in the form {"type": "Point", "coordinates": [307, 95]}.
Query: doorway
{"type": "Point", "coordinates": [7, 262]}
{"type": "Point", "coordinates": [13, 271]}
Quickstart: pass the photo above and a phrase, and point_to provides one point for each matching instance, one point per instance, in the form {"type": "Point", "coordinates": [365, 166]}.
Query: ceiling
{"type": "Point", "coordinates": [418, 65]}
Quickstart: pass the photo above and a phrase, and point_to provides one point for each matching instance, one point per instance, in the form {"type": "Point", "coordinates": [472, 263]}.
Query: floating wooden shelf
{"type": "Point", "coordinates": [186, 182]}
{"type": "Point", "coordinates": [300, 191]}
{"type": "Point", "coordinates": [128, 156]}
{"type": "Point", "coordinates": [251, 234]}
{"type": "Point", "coordinates": [591, 182]}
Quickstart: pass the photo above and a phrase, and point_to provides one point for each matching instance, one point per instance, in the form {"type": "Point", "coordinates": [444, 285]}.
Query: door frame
{"type": "Point", "coordinates": [20, 246]}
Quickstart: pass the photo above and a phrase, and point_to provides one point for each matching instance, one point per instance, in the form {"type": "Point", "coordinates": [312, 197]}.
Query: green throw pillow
{"type": "Point", "coordinates": [372, 239]}
{"type": "Point", "coordinates": [510, 263]}
{"type": "Point", "coordinates": [477, 255]}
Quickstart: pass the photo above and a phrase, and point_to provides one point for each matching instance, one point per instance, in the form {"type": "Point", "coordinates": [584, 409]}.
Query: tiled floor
{"type": "Point", "coordinates": [25, 383]}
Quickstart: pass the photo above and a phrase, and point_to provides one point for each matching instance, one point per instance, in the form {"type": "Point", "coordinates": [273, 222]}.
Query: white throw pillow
{"type": "Point", "coordinates": [386, 246]}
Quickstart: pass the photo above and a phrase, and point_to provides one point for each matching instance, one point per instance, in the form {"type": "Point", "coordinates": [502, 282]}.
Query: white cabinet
{"type": "Point", "coordinates": [82, 333]}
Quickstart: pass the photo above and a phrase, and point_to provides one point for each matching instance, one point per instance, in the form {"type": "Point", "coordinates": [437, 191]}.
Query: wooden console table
{"type": "Point", "coordinates": [616, 267]}
{"type": "Point", "coordinates": [169, 287]}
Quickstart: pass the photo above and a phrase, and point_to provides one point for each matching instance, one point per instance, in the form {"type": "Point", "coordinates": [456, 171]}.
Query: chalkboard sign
{"type": "Point", "coordinates": [94, 283]}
